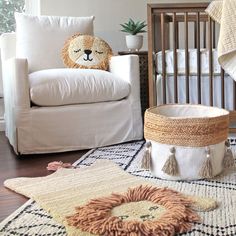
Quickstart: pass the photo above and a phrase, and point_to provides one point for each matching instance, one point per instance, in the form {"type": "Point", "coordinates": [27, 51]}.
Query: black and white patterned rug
{"type": "Point", "coordinates": [31, 220]}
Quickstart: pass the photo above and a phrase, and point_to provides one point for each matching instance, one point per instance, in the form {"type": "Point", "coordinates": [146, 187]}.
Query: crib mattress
{"type": "Point", "coordinates": [169, 61]}
{"type": "Point", "coordinates": [194, 92]}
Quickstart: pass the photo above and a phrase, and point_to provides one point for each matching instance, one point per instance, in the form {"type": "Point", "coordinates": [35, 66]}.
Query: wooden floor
{"type": "Point", "coordinates": [12, 166]}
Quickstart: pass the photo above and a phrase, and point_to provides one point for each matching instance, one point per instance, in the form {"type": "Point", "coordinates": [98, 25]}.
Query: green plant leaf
{"type": "Point", "coordinates": [139, 28]}
{"type": "Point", "coordinates": [130, 25]}
{"type": "Point", "coordinates": [123, 25]}
{"type": "Point", "coordinates": [125, 29]}
{"type": "Point", "coordinates": [132, 22]}
{"type": "Point", "coordinates": [138, 22]}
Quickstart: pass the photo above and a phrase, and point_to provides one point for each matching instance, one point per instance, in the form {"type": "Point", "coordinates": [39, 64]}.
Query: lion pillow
{"type": "Point", "coordinates": [87, 52]}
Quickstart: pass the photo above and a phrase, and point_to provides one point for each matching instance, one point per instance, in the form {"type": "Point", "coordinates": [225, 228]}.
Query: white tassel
{"type": "Point", "coordinates": [206, 169]}
{"type": "Point", "coordinates": [228, 160]}
{"type": "Point", "coordinates": [171, 165]}
{"type": "Point", "coordinates": [146, 161]}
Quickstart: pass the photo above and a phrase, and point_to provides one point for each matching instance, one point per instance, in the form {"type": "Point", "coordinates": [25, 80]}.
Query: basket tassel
{"type": "Point", "coordinates": [146, 161]}
{"type": "Point", "coordinates": [171, 165]}
{"type": "Point", "coordinates": [228, 160]}
{"type": "Point", "coordinates": [206, 170]}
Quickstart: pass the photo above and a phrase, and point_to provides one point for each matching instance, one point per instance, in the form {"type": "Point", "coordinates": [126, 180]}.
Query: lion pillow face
{"type": "Point", "coordinates": [87, 52]}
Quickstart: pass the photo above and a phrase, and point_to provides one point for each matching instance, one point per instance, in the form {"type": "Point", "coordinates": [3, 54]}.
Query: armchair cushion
{"type": "Point", "coordinates": [41, 38]}
{"type": "Point", "coordinates": [57, 87]}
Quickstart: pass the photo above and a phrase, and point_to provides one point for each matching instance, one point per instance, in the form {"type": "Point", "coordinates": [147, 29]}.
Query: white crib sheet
{"type": "Point", "coordinates": [192, 61]}
{"type": "Point", "coordinates": [194, 92]}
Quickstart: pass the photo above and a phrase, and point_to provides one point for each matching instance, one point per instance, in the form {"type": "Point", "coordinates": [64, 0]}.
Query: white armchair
{"type": "Point", "coordinates": [43, 129]}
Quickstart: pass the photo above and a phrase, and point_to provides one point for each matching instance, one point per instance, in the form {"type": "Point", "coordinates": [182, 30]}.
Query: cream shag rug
{"type": "Point", "coordinates": [31, 220]}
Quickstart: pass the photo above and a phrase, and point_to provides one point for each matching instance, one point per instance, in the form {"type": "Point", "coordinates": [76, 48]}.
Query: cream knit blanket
{"type": "Point", "coordinates": [224, 12]}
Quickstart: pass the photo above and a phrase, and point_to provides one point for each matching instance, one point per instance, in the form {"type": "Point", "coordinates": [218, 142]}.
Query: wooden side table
{"type": "Point", "coordinates": [143, 66]}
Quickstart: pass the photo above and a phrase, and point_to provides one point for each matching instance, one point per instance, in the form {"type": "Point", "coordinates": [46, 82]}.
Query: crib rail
{"type": "Point", "coordinates": [169, 27]}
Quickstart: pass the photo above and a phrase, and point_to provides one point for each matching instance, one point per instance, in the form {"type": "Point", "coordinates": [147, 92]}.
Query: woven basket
{"type": "Point", "coordinates": [186, 141]}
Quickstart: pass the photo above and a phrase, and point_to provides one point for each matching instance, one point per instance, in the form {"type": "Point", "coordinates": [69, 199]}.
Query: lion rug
{"type": "Point", "coordinates": [103, 199]}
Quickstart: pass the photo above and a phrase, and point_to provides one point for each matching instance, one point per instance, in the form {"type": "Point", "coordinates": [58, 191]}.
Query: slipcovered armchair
{"type": "Point", "coordinates": [31, 56]}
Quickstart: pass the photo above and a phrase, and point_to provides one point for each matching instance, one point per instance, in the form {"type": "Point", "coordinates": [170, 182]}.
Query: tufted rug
{"type": "Point", "coordinates": [30, 219]}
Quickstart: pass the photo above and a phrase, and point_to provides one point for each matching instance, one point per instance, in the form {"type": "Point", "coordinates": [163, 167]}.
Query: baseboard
{"type": "Point", "coordinates": [2, 124]}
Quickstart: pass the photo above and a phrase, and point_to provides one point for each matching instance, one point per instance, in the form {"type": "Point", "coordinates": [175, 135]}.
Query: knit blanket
{"type": "Point", "coordinates": [224, 12]}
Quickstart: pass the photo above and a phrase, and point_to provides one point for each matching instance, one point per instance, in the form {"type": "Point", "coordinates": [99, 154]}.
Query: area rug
{"type": "Point", "coordinates": [128, 156]}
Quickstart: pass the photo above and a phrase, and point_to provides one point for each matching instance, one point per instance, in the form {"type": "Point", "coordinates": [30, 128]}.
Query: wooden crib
{"type": "Point", "coordinates": [182, 58]}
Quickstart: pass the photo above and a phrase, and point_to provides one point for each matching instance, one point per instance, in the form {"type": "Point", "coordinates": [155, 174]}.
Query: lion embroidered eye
{"type": "Point", "coordinates": [99, 52]}
{"type": "Point", "coordinates": [77, 50]}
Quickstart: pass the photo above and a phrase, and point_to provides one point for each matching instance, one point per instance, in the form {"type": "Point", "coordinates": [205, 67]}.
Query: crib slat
{"type": "Point", "coordinates": [195, 34]}
{"type": "Point", "coordinates": [177, 32]}
{"type": "Point", "coordinates": [186, 56]}
{"type": "Point", "coordinates": [234, 93]}
{"type": "Point", "coordinates": [163, 57]}
{"type": "Point", "coordinates": [204, 34]}
{"type": "Point", "coordinates": [210, 61]}
{"type": "Point", "coordinates": [222, 75]}
{"type": "Point", "coordinates": [198, 58]}
{"type": "Point", "coordinates": [175, 59]}
{"type": "Point", "coordinates": [214, 34]}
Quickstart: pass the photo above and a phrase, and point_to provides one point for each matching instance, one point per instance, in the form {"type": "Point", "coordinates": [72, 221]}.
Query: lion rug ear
{"type": "Point", "coordinates": [86, 52]}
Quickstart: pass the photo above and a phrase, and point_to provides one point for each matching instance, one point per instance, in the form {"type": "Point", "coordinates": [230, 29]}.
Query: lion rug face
{"type": "Point", "coordinates": [87, 52]}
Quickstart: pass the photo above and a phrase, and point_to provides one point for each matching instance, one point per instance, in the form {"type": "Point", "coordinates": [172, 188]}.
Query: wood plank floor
{"type": "Point", "coordinates": [12, 166]}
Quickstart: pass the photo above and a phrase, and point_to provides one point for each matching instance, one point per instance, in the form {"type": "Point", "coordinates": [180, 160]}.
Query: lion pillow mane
{"type": "Point", "coordinates": [86, 52]}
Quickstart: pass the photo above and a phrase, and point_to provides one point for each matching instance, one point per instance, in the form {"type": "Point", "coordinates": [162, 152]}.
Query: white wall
{"type": "Point", "coordinates": [32, 7]}
{"type": "Point", "coordinates": [109, 14]}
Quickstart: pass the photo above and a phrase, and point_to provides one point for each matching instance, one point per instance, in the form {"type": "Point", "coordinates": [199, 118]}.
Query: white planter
{"type": "Point", "coordinates": [134, 42]}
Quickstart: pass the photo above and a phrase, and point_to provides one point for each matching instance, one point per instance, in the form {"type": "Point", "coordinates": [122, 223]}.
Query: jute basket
{"type": "Point", "coordinates": [186, 141]}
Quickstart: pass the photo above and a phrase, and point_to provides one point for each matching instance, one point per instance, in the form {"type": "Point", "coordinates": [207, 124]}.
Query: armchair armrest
{"type": "Point", "coordinates": [16, 83]}
{"type": "Point", "coordinates": [127, 68]}
{"type": "Point", "coordinates": [16, 95]}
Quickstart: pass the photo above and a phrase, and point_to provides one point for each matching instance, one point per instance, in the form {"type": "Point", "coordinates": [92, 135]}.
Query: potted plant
{"type": "Point", "coordinates": [134, 41]}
